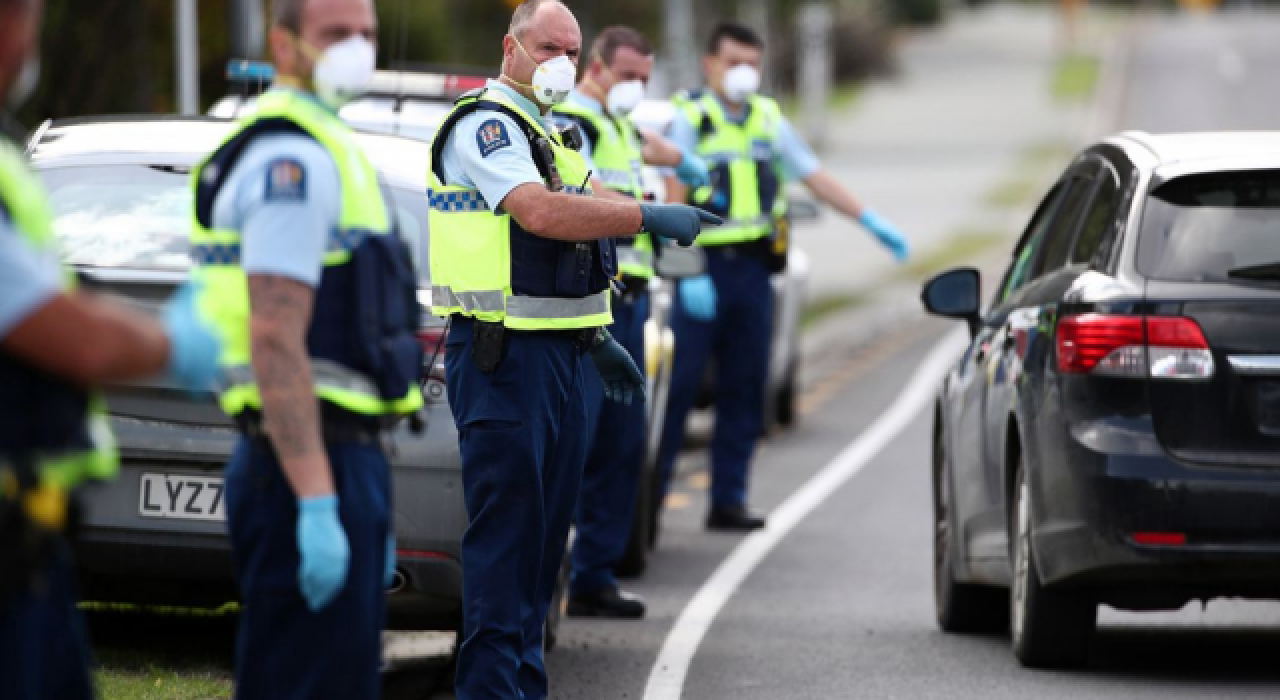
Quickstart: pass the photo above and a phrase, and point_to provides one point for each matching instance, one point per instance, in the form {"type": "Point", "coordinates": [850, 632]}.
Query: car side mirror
{"type": "Point", "coordinates": [802, 209]}
{"type": "Point", "coordinates": [674, 262]}
{"type": "Point", "coordinates": [956, 293]}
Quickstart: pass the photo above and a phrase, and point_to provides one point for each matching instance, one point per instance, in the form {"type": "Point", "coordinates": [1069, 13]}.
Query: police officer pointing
{"type": "Point", "coordinates": [521, 260]}
{"type": "Point", "coordinates": [728, 314]}
{"type": "Point", "coordinates": [615, 80]}
{"type": "Point", "coordinates": [313, 293]}
{"type": "Point", "coordinates": [53, 432]}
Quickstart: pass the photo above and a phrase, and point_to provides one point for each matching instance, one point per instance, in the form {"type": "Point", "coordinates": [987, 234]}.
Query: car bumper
{"type": "Point", "coordinates": [1147, 531]}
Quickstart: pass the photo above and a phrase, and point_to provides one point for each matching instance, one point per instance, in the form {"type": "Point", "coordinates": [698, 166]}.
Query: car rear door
{"type": "Point", "coordinates": [1207, 245]}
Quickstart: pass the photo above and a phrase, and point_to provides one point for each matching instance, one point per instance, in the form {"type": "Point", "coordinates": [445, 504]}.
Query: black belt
{"type": "Point", "coordinates": [335, 427]}
{"type": "Point", "coordinates": [634, 288]}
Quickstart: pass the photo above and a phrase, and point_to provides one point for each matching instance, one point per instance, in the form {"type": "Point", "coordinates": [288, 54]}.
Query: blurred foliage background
{"type": "Point", "coordinates": [116, 56]}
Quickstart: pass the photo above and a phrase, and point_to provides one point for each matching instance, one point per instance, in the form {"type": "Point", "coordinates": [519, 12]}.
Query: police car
{"type": "Point", "coordinates": [121, 199]}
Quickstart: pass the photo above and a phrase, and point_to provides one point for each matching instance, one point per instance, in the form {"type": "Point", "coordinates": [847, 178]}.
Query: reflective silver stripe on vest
{"type": "Point", "coordinates": [628, 255]}
{"type": "Point", "coordinates": [324, 374]}
{"type": "Point", "coordinates": [470, 302]}
{"type": "Point", "coordinates": [724, 157]}
{"type": "Point", "coordinates": [340, 241]}
{"type": "Point", "coordinates": [731, 224]}
{"type": "Point", "coordinates": [617, 178]}
{"type": "Point", "coordinates": [454, 202]}
{"type": "Point", "coordinates": [552, 308]}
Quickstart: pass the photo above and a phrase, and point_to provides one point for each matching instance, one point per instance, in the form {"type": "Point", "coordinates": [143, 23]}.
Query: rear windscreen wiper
{"type": "Point", "coordinates": [1267, 271]}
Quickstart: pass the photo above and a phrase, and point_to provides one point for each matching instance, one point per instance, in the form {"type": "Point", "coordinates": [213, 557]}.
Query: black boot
{"type": "Point", "coordinates": [609, 603]}
{"type": "Point", "coordinates": [734, 519]}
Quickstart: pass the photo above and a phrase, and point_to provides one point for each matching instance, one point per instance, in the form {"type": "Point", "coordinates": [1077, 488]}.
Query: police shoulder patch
{"type": "Point", "coordinates": [286, 180]}
{"type": "Point", "coordinates": [492, 136]}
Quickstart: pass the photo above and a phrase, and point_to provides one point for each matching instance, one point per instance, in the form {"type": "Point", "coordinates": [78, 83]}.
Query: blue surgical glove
{"type": "Point", "coordinates": [389, 569]}
{"type": "Point", "coordinates": [698, 295]}
{"type": "Point", "coordinates": [193, 345]}
{"type": "Point", "coordinates": [676, 222]}
{"type": "Point", "coordinates": [692, 171]}
{"type": "Point", "coordinates": [623, 381]}
{"type": "Point", "coordinates": [886, 233]}
{"type": "Point", "coordinates": [323, 550]}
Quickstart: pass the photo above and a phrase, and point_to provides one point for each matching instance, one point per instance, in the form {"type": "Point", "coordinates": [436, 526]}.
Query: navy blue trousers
{"type": "Point", "coordinates": [739, 340]}
{"type": "Point", "coordinates": [44, 650]}
{"type": "Point", "coordinates": [285, 650]}
{"type": "Point", "coordinates": [612, 475]}
{"type": "Point", "coordinates": [523, 435]}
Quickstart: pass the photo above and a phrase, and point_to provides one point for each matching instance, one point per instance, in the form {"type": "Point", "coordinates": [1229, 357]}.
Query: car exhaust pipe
{"type": "Point", "coordinates": [398, 582]}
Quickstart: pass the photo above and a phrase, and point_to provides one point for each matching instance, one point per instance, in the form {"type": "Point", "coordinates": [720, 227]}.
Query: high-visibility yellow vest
{"type": "Point", "coordinates": [746, 189]}
{"type": "Point", "coordinates": [484, 265]}
{"type": "Point", "coordinates": [73, 441]}
{"type": "Point", "coordinates": [618, 157]}
{"type": "Point", "coordinates": [224, 297]}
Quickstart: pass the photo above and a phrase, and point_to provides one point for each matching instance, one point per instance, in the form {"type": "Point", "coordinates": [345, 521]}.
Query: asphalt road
{"type": "Point", "coordinates": [842, 606]}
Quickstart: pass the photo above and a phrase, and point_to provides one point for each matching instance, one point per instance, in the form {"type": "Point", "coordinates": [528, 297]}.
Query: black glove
{"type": "Point", "coordinates": [622, 379]}
{"type": "Point", "coordinates": [677, 222]}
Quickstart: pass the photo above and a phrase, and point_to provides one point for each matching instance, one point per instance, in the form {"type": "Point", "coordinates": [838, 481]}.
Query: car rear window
{"type": "Point", "coordinates": [139, 217]}
{"type": "Point", "coordinates": [1208, 228]}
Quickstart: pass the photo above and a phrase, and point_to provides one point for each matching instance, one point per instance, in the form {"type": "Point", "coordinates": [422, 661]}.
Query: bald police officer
{"type": "Point", "coordinates": [522, 261]}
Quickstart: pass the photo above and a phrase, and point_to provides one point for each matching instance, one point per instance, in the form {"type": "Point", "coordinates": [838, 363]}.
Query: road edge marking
{"type": "Point", "coordinates": [667, 679]}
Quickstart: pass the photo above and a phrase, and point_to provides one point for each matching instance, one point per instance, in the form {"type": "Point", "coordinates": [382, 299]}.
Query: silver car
{"type": "Point", "coordinates": [121, 197]}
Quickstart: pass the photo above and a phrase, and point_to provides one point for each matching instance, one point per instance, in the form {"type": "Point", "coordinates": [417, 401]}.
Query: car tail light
{"type": "Point", "coordinates": [1160, 347]}
{"type": "Point", "coordinates": [1159, 539]}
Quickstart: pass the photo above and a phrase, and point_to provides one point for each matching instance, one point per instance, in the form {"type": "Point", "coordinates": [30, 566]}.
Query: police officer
{"type": "Point", "coordinates": [521, 260]}
{"type": "Point", "coordinates": [53, 433]}
{"type": "Point", "coordinates": [313, 292]}
{"type": "Point", "coordinates": [727, 315]}
{"type": "Point", "coordinates": [620, 65]}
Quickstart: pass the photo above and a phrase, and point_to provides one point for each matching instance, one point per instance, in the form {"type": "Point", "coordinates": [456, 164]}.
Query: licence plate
{"type": "Point", "coordinates": [181, 497]}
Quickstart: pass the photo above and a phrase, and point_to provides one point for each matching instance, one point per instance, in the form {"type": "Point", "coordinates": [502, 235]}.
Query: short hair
{"type": "Point", "coordinates": [523, 15]}
{"type": "Point", "coordinates": [288, 14]}
{"type": "Point", "coordinates": [733, 31]}
{"type": "Point", "coordinates": [610, 40]}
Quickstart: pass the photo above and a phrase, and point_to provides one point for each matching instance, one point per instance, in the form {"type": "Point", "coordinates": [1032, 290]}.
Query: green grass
{"type": "Point", "coordinates": [1026, 185]}
{"type": "Point", "coordinates": [841, 99]}
{"type": "Point", "coordinates": [824, 307]}
{"type": "Point", "coordinates": [144, 677]}
{"type": "Point", "coordinates": [1075, 77]}
{"type": "Point", "coordinates": [958, 249]}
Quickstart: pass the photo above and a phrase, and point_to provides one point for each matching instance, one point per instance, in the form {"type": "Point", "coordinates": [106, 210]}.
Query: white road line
{"type": "Point", "coordinates": [666, 680]}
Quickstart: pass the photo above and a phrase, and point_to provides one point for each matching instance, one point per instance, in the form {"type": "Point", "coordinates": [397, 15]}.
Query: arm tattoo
{"type": "Point", "coordinates": [281, 312]}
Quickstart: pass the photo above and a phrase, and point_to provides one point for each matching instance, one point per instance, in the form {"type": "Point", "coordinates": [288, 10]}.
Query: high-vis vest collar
{"type": "Point", "coordinates": [474, 243]}
{"type": "Point", "coordinates": [746, 184]}
{"type": "Point", "coordinates": [618, 157]}
{"type": "Point", "coordinates": [89, 450]}
{"type": "Point", "coordinates": [216, 255]}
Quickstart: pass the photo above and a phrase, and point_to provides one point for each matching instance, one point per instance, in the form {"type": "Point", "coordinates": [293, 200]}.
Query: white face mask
{"type": "Point", "coordinates": [623, 97]}
{"type": "Point", "coordinates": [26, 83]}
{"type": "Point", "coordinates": [741, 82]}
{"type": "Point", "coordinates": [552, 79]}
{"type": "Point", "coordinates": [345, 71]}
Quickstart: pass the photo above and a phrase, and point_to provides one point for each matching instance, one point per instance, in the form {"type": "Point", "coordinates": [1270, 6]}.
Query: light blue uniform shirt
{"type": "Point", "coordinates": [284, 196]}
{"type": "Point", "coordinates": [796, 159]}
{"type": "Point", "coordinates": [488, 151]}
{"type": "Point", "coordinates": [29, 278]}
{"type": "Point", "coordinates": [581, 99]}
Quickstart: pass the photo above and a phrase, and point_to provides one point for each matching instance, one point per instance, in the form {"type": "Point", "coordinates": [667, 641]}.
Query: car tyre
{"type": "Point", "coordinates": [961, 608]}
{"type": "Point", "coordinates": [559, 601]}
{"type": "Point", "coordinates": [1050, 628]}
{"type": "Point", "coordinates": [636, 557]}
{"type": "Point", "coordinates": [784, 409]}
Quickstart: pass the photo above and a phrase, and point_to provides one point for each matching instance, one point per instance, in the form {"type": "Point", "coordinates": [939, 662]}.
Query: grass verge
{"type": "Point", "coordinates": [842, 98]}
{"type": "Point", "coordinates": [823, 307]}
{"type": "Point", "coordinates": [1075, 77]}
{"type": "Point", "coordinates": [143, 677]}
